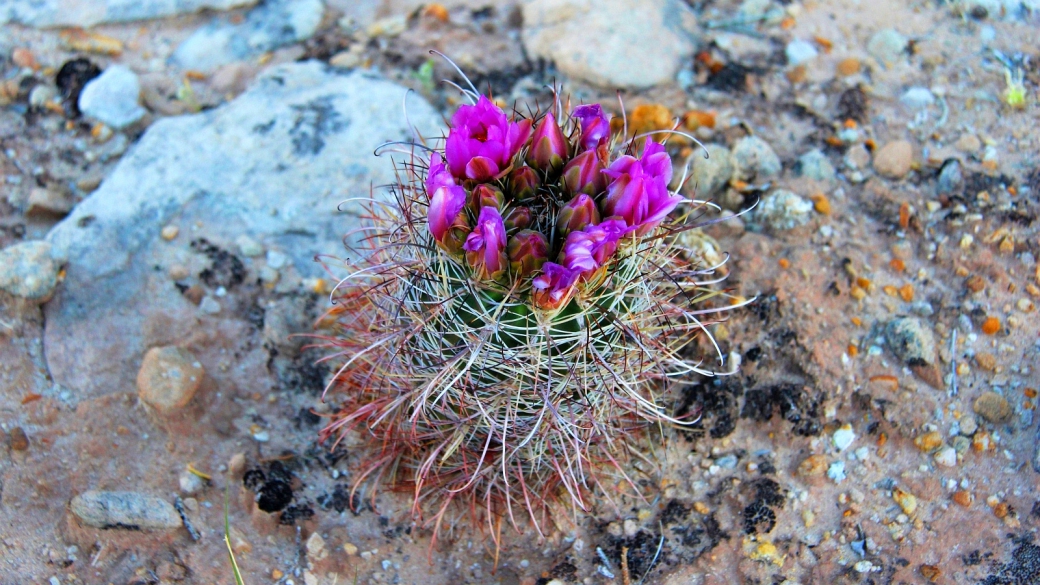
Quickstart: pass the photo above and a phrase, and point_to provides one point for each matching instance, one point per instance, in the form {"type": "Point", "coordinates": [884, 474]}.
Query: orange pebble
{"type": "Point", "coordinates": [857, 321]}
{"type": "Point", "coordinates": [863, 283]}
{"type": "Point", "coordinates": [852, 350]}
{"type": "Point", "coordinates": [787, 23]}
{"type": "Point", "coordinates": [897, 265]}
{"type": "Point", "coordinates": [848, 67]}
{"type": "Point", "coordinates": [821, 204]}
{"type": "Point", "coordinates": [784, 263]}
{"type": "Point", "coordinates": [906, 292]}
{"type": "Point", "coordinates": [697, 119]}
{"type": "Point", "coordinates": [991, 325]}
{"type": "Point", "coordinates": [436, 11]}
{"type": "Point", "coordinates": [904, 215]}
{"type": "Point", "coordinates": [824, 43]}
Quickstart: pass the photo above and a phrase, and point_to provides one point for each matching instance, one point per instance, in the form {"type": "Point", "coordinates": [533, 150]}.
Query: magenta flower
{"type": "Point", "coordinates": [446, 204]}
{"type": "Point", "coordinates": [639, 192]}
{"type": "Point", "coordinates": [578, 213]}
{"type": "Point", "coordinates": [584, 174]}
{"type": "Point", "coordinates": [554, 286]}
{"type": "Point", "coordinates": [549, 147]}
{"type": "Point", "coordinates": [528, 251]}
{"type": "Point", "coordinates": [486, 245]}
{"type": "Point", "coordinates": [482, 141]}
{"type": "Point", "coordinates": [595, 125]}
{"type": "Point", "coordinates": [586, 251]}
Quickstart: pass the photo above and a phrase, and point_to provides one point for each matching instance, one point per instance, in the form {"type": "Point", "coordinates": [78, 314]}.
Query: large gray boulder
{"type": "Point", "coordinates": [87, 13]}
{"type": "Point", "coordinates": [611, 43]}
{"type": "Point", "coordinates": [270, 168]}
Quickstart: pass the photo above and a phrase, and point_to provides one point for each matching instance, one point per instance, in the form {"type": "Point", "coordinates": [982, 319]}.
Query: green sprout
{"type": "Point", "coordinates": [1015, 94]}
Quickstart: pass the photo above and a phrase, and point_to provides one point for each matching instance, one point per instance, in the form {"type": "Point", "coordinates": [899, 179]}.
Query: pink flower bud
{"type": "Point", "coordinates": [578, 213]}
{"type": "Point", "coordinates": [554, 287]}
{"type": "Point", "coordinates": [527, 253]}
{"type": "Point", "coordinates": [549, 147]}
{"type": "Point", "coordinates": [595, 125]}
{"type": "Point", "coordinates": [523, 183]}
{"type": "Point", "coordinates": [485, 195]}
{"type": "Point", "coordinates": [486, 245]}
{"type": "Point", "coordinates": [482, 141]}
{"type": "Point", "coordinates": [584, 174]}
{"type": "Point", "coordinates": [518, 218]}
{"type": "Point", "coordinates": [638, 192]}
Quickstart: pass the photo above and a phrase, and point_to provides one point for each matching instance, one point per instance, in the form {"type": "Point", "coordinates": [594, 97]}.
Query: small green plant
{"type": "Point", "coordinates": [521, 306]}
{"type": "Point", "coordinates": [1015, 93]}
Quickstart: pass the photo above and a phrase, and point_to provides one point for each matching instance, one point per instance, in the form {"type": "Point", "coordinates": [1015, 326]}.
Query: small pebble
{"type": "Point", "coordinates": [894, 160]}
{"type": "Point", "coordinates": [799, 51]}
{"type": "Point", "coordinates": [169, 378]}
{"type": "Point", "coordinates": [968, 425]}
{"type": "Point", "coordinates": [249, 247]}
{"type": "Point", "coordinates": [836, 471]}
{"type": "Point", "coordinates": [929, 442]}
{"type": "Point", "coordinates": [843, 437]}
{"type": "Point", "coordinates": [169, 232]}
{"type": "Point", "coordinates": [18, 439]}
{"type": "Point", "coordinates": [190, 483]}
{"type": "Point", "coordinates": [209, 305]}
{"type": "Point", "coordinates": [993, 407]}
{"type": "Point", "coordinates": [947, 457]}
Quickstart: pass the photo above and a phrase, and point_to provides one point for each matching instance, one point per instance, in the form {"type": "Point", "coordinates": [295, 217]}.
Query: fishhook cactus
{"type": "Point", "coordinates": [522, 303]}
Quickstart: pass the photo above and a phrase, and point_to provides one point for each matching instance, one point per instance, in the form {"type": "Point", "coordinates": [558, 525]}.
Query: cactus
{"type": "Point", "coordinates": [521, 305]}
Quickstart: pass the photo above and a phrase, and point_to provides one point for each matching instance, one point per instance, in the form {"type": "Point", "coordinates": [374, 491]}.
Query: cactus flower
{"type": "Point", "coordinates": [482, 141]}
{"type": "Point", "coordinates": [638, 192]}
{"type": "Point", "coordinates": [554, 286]}
{"type": "Point", "coordinates": [486, 245]}
{"type": "Point", "coordinates": [549, 147]}
{"type": "Point", "coordinates": [523, 183]}
{"type": "Point", "coordinates": [584, 174]}
{"type": "Point", "coordinates": [586, 251]}
{"type": "Point", "coordinates": [578, 213]}
{"type": "Point", "coordinates": [595, 125]}
{"type": "Point", "coordinates": [528, 251]}
{"type": "Point", "coordinates": [447, 201]}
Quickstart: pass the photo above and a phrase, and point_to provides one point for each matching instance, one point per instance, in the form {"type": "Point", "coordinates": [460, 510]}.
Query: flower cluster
{"type": "Point", "coordinates": [543, 207]}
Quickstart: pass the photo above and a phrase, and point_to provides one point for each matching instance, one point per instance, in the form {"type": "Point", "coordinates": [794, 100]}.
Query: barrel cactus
{"type": "Point", "coordinates": [522, 302]}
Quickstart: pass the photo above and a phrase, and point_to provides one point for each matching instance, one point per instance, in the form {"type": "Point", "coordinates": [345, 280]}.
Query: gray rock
{"type": "Point", "coordinates": [124, 510]}
{"type": "Point", "coordinates": [87, 13]}
{"type": "Point", "coordinates": [911, 340]}
{"type": "Point", "coordinates": [887, 46]}
{"type": "Point", "coordinates": [273, 24]}
{"type": "Point", "coordinates": [917, 98]}
{"type": "Point", "coordinates": [799, 51]}
{"type": "Point", "coordinates": [782, 210]}
{"type": "Point", "coordinates": [815, 165]}
{"type": "Point", "coordinates": [710, 175]}
{"type": "Point", "coordinates": [274, 164]}
{"type": "Point", "coordinates": [951, 179]}
{"type": "Point", "coordinates": [112, 97]}
{"type": "Point", "coordinates": [611, 43]}
{"type": "Point", "coordinates": [754, 159]}
{"type": "Point", "coordinates": [30, 270]}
